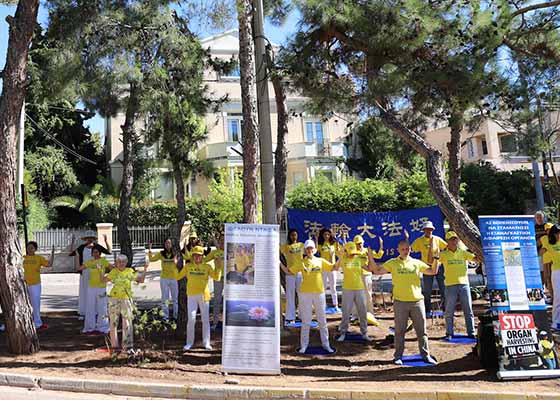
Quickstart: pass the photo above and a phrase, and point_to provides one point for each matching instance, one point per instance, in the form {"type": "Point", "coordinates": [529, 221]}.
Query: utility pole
{"type": "Point", "coordinates": [263, 107]}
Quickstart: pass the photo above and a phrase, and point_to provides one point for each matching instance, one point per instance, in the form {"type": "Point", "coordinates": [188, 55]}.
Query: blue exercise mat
{"type": "Point", "coordinates": [460, 339]}
{"type": "Point", "coordinates": [332, 310]}
{"type": "Point", "coordinates": [437, 314]}
{"type": "Point", "coordinates": [297, 324]}
{"type": "Point", "coordinates": [415, 361]}
{"type": "Point", "coordinates": [354, 337]}
{"type": "Point", "coordinates": [317, 351]}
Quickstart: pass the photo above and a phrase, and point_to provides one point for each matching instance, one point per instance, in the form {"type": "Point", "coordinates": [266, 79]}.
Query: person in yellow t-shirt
{"type": "Point", "coordinates": [312, 295]}
{"type": "Point", "coordinates": [32, 264]}
{"type": "Point", "coordinates": [552, 257]}
{"type": "Point", "coordinates": [96, 320]}
{"type": "Point", "coordinates": [217, 256]}
{"type": "Point", "coordinates": [407, 296]}
{"type": "Point", "coordinates": [366, 274]}
{"type": "Point", "coordinates": [121, 304]}
{"type": "Point", "coordinates": [353, 290]}
{"type": "Point", "coordinates": [167, 278]}
{"type": "Point", "coordinates": [198, 295]}
{"type": "Point", "coordinates": [328, 247]}
{"type": "Point", "coordinates": [546, 271]}
{"type": "Point", "coordinates": [291, 254]}
{"type": "Point", "coordinates": [546, 350]}
{"type": "Point", "coordinates": [455, 262]}
{"type": "Point", "coordinates": [422, 246]}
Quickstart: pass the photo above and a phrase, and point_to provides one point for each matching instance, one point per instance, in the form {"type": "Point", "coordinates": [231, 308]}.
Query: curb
{"type": "Point", "coordinates": [213, 392]}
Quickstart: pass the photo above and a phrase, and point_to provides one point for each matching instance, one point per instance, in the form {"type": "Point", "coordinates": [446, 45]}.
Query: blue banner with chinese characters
{"type": "Point", "coordinates": [512, 263]}
{"type": "Point", "coordinates": [388, 225]}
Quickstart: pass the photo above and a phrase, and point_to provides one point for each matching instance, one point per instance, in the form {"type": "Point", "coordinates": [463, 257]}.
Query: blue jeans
{"type": "Point", "coordinates": [464, 294]}
{"type": "Point", "coordinates": [427, 287]}
{"type": "Point", "coordinates": [550, 363]}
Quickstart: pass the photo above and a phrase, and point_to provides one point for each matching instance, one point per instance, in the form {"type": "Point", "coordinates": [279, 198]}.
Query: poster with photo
{"type": "Point", "coordinates": [251, 331]}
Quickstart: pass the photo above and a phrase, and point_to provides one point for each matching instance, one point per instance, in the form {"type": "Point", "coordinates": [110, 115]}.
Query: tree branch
{"type": "Point", "coordinates": [538, 6]}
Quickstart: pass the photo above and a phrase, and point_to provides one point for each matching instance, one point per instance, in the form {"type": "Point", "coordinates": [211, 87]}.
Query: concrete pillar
{"type": "Point", "coordinates": [105, 229]}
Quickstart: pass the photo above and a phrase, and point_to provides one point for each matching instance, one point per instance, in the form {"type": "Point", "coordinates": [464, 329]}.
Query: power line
{"type": "Point", "coordinates": [59, 143]}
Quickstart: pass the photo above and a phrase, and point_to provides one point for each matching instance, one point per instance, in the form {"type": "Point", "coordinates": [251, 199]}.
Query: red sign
{"type": "Point", "coordinates": [516, 321]}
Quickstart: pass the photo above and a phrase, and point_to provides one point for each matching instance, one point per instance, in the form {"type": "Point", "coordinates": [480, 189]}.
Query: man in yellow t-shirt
{"type": "Point", "coordinates": [455, 261]}
{"type": "Point", "coordinates": [407, 296]}
{"type": "Point", "coordinates": [422, 246]}
{"type": "Point", "coordinates": [217, 256]}
{"type": "Point", "coordinates": [291, 254]}
{"type": "Point", "coordinates": [312, 295]}
{"type": "Point", "coordinates": [366, 274]}
{"type": "Point", "coordinates": [96, 320]}
{"type": "Point", "coordinates": [198, 295]}
{"type": "Point", "coordinates": [552, 257]}
{"type": "Point", "coordinates": [32, 264]}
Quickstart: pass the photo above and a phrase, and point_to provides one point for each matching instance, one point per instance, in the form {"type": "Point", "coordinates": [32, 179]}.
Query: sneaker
{"type": "Point", "coordinates": [341, 337]}
{"type": "Point", "coordinates": [209, 347]}
{"type": "Point", "coordinates": [302, 350]}
{"type": "Point", "coordinates": [328, 349]}
{"type": "Point", "coordinates": [430, 360]}
{"type": "Point", "coordinates": [397, 361]}
{"type": "Point", "coordinates": [448, 337]}
{"type": "Point", "coordinates": [187, 347]}
{"type": "Point", "coordinates": [367, 338]}
{"type": "Point", "coordinates": [43, 327]}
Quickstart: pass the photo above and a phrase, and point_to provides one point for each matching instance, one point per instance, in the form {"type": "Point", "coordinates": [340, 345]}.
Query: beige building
{"type": "Point", "coordinates": [315, 146]}
{"type": "Point", "coordinates": [492, 143]}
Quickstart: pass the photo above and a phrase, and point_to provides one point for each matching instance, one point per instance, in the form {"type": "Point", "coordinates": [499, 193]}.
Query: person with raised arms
{"type": "Point", "coordinates": [328, 248]}
{"type": "Point", "coordinates": [408, 301]}
{"type": "Point", "coordinates": [366, 274]}
{"type": "Point", "coordinates": [291, 255]}
{"type": "Point", "coordinates": [217, 255]}
{"type": "Point", "coordinates": [167, 278]}
{"type": "Point", "coordinates": [32, 264]}
{"type": "Point", "coordinates": [312, 295]}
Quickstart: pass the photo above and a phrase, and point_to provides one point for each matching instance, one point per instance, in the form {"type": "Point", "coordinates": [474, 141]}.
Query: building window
{"type": "Point", "coordinates": [471, 148]}
{"type": "Point", "coordinates": [507, 143]}
{"type": "Point", "coordinates": [298, 178]}
{"type": "Point", "coordinates": [326, 173]}
{"type": "Point", "coordinates": [166, 187]}
{"type": "Point", "coordinates": [235, 73]}
{"type": "Point", "coordinates": [234, 128]}
{"type": "Point", "coordinates": [484, 147]}
{"type": "Point", "coordinates": [314, 132]}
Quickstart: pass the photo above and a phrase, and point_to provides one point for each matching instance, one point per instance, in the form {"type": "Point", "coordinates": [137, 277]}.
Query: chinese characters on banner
{"type": "Point", "coordinates": [388, 226]}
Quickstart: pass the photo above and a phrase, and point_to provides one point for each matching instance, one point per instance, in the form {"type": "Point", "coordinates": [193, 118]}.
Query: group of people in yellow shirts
{"type": "Point", "coordinates": [300, 263]}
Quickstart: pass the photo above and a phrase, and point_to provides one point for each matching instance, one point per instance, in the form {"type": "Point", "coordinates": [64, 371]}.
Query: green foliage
{"type": "Point", "coordinates": [38, 215]}
{"type": "Point", "coordinates": [492, 192]}
{"type": "Point", "coordinates": [50, 173]}
{"type": "Point", "coordinates": [369, 195]}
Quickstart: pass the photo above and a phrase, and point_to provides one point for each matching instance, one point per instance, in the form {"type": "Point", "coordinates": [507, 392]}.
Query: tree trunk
{"type": "Point", "coordinates": [20, 331]}
{"type": "Point", "coordinates": [281, 152]}
{"type": "Point", "coordinates": [456, 124]}
{"type": "Point", "coordinates": [129, 139]}
{"type": "Point", "coordinates": [249, 106]}
{"type": "Point", "coordinates": [181, 216]}
{"type": "Point", "coordinates": [458, 218]}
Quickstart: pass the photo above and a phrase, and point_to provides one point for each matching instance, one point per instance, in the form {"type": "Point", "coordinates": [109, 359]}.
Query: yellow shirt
{"type": "Point", "coordinates": [406, 278]}
{"type": "Point", "coordinates": [547, 349]}
{"type": "Point", "coordinates": [97, 270]}
{"type": "Point", "coordinates": [422, 245]}
{"type": "Point", "coordinates": [352, 267]}
{"type": "Point", "coordinates": [242, 261]}
{"type": "Point", "coordinates": [168, 267]}
{"type": "Point", "coordinates": [552, 255]}
{"type": "Point", "coordinates": [328, 251]}
{"type": "Point", "coordinates": [197, 278]}
{"type": "Point", "coordinates": [293, 253]}
{"type": "Point", "coordinates": [364, 257]}
{"type": "Point", "coordinates": [216, 255]}
{"type": "Point", "coordinates": [455, 265]}
{"type": "Point", "coordinates": [32, 268]}
{"type": "Point", "coordinates": [121, 283]}
{"type": "Point", "coordinates": [312, 274]}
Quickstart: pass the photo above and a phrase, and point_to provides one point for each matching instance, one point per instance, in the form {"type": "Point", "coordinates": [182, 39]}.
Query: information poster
{"type": "Point", "coordinates": [521, 326]}
{"type": "Point", "coordinates": [251, 330]}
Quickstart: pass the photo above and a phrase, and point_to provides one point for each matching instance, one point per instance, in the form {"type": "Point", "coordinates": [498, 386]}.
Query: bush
{"type": "Point", "coordinates": [38, 215]}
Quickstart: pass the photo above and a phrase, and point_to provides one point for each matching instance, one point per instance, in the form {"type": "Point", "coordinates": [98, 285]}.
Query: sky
{"type": "Point", "coordinates": [277, 35]}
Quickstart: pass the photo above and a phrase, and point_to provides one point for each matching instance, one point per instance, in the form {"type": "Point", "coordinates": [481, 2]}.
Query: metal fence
{"type": "Point", "coordinates": [60, 238]}
{"type": "Point", "coordinates": [141, 235]}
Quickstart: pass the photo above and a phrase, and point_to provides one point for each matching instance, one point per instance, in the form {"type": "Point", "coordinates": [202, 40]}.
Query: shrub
{"type": "Point", "coordinates": [38, 215]}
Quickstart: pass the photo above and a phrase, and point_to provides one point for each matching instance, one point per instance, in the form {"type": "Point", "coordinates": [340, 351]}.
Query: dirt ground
{"type": "Point", "coordinates": [67, 353]}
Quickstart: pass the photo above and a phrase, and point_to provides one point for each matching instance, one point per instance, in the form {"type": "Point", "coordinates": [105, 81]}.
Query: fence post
{"type": "Point", "coordinates": [105, 229]}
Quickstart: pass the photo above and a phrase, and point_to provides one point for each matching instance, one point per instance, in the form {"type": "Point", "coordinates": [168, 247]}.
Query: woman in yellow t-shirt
{"type": "Point", "coordinates": [328, 247]}
{"type": "Point", "coordinates": [32, 264]}
{"type": "Point", "coordinates": [198, 295]}
{"type": "Point", "coordinates": [167, 278]}
{"type": "Point", "coordinates": [312, 295]}
{"type": "Point", "coordinates": [291, 255]}
{"type": "Point", "coordinates": [217, 256]}
{"type": "Point", "coordinates": [552, 256]}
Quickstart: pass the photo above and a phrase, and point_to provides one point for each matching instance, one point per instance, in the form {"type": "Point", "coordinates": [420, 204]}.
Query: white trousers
{"type": "Point", "coordinates": [329, 280]}
{"type": "Point", "coordinates": [169, 294]}
{"type": "Point", "coordinates": [84, 286]}
{"type": "Point", "coordinates": [308, 301]}
{"type": "Point", "coordinates": [556, 298]}
{"type": "Point", "coordinates": [35, 298]}
{"type": "Point", "coordinates": [195, 302]}
{"type": "Point", "coordinates": [349, 299]}
{"type": "Point", "coordinates": [217, 300]}
{"type": "Point", "coordinates": [293, 282]}
{"type": "Point", "coordinates": [368, 284]}
{"type": "Point", "coordinates": [96, 311]}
